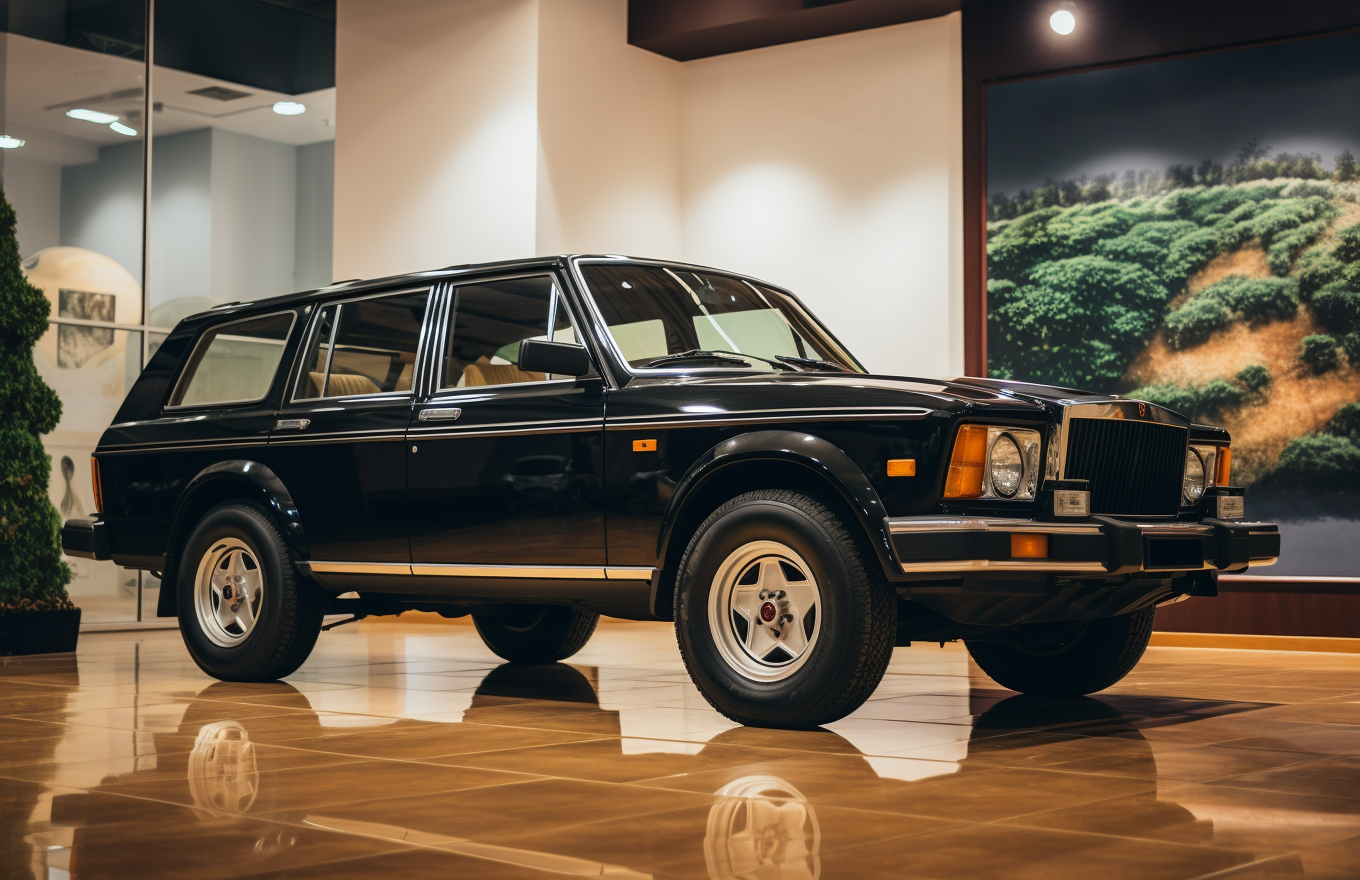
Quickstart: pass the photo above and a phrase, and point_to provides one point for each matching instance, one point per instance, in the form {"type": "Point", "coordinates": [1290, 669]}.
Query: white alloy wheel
{"type": "Point", "coordinates": [228, 592]}
{"type": "Point", "coordinates": [764, 610]}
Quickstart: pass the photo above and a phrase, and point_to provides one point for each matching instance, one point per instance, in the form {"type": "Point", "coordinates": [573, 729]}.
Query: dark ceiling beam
{"type": "Point", "coordinates": [690, 29]}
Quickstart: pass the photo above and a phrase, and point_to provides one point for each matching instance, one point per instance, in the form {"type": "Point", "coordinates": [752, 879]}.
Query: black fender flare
{"type": "Point", "coordinates": [794, 447]}
{"type": "Point", "coordinates": [237, 478]}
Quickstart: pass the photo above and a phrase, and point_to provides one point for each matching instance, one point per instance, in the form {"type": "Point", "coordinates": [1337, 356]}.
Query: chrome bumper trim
{"type": "Point", "coordinates": [988, 524]}
{"type": "Point", "coordinates": [954, 565]}
{"type": "Point", "coordinates": [550, 572]}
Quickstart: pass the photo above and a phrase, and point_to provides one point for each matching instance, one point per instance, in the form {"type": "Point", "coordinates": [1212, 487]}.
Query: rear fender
{"type": "Point", "coordinates": [218, 483]}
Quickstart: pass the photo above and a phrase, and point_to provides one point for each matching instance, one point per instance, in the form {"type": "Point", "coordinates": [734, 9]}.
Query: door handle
{"type": "Point", "coordinates": [291, 424]}
{"type": "Point", "coordinates": [439, 415]}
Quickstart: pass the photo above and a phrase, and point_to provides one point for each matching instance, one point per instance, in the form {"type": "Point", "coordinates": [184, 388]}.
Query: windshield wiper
{"type": "Point", "coordinates": [697, 354]}
{"type": "Point", "coordinates": [813, 363]}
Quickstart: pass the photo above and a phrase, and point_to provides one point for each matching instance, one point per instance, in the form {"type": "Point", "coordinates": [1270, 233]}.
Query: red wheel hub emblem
{"type": "Point", "coordinates": [767, 612]}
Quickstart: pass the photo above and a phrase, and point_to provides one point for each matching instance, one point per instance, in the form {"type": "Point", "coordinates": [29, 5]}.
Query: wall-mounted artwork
{"type": "Point", "coordinates": [1188, 232]}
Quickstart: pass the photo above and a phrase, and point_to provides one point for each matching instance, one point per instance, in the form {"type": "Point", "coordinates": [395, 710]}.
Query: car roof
{"type": "Point", "coordinates": [356, 285]}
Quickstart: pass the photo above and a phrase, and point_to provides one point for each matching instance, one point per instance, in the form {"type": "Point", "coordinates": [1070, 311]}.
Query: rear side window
{"type": "Point", "coordinates": [364, 347]}
{"type": "Point", "coordinates": [234, 363]}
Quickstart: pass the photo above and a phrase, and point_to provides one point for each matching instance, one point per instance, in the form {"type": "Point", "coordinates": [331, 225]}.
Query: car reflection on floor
{"type": "Point", "coordinates": [761, 822]}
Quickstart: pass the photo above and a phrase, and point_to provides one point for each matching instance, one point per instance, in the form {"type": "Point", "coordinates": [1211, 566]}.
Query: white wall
{"type": "Point", "coordinates": [34, 189]}
{"type": "Point", "coordinates": [494, 129]}
{"type": "Point", "coordinates": [435, 156]}
{"type": "Point", "coordinates": [254, 216]}
{"type": "Point", "coordinates": [608, 136]}
{"type": "Point", "coordinates": [834, 167]}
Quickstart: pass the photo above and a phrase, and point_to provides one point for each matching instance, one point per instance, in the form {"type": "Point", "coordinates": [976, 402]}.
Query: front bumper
{"type": "Point", "coordinates": [1100, 546]}
{"type": "Point", "coordinates": [85, 538]}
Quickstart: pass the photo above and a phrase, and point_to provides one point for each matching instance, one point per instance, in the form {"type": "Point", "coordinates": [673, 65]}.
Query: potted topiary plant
{"type": "Point", "coordinates": [36, 616]}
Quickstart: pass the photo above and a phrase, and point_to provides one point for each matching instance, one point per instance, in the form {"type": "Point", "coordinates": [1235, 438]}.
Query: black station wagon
{"type": "Point", "coordinates": [536, 443]}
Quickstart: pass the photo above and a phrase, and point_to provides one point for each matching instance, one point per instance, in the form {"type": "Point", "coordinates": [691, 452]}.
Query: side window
{"type": "Point", "coordinates": [364, 347]}
{"type": "Point", "coordinates": [234, 363]}
{"type": "Point", "coordinates": [489, 321]}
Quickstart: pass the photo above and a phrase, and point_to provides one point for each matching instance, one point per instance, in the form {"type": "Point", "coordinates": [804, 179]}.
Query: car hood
{"type": "Point", "coordinates": [870, 390]}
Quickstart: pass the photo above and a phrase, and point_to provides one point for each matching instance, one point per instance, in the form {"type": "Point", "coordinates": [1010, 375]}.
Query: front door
{"type": "Point", "coordinates": [339, 442]}
{"type": "Point", "coordinates": [504, 464]}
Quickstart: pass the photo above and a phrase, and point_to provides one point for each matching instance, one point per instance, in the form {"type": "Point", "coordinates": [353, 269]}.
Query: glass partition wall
{"type": "Point", "coordinates": [237, 204]}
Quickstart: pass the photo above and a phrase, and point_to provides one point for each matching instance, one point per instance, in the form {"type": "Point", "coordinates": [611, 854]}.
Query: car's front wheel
{"type": "Point", "coordinates": [1067, 658]}
{"type": "Point", "coordinates": [782, 619]}
{"type": "Point", "coordinates": [536, 633]}
{"type": "Point", "coordinates": [245, 611]}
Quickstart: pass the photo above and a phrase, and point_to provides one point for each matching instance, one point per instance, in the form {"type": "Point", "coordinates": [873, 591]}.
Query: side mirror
{"type": "Point", "coordinates": [563, 358]}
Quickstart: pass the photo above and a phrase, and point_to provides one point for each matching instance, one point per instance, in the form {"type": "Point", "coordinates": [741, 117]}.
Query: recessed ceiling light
{"type": "Point", "coordinates": [122, 129]}
{"type": "Point", "coordinates": [1063, 21]}
{"type": "Point", "coordinates": [10, 143]}
{"type": "Point", "coordinates": [290, 108]}
{"type": "Point", "coordinates": [92, 116]}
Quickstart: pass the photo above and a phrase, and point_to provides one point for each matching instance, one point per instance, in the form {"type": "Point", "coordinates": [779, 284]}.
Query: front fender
{"type": "Point", "coordinates": [806, 450]}
{"type": "Point", "coordinates": [220, 482]}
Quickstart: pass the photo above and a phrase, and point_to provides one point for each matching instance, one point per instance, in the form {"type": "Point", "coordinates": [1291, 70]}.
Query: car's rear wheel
{"type": "Point", "coordinates": [536, 633]}
{"type": "Point", "coordinates": [1068, 658]}
{"type": "Point", "coordinates": [782, 619]}
{"type": "Point", "coordinates": [245, 611]}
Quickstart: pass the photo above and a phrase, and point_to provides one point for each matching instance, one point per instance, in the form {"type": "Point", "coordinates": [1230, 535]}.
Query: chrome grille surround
{"type": "Point", "coordinates": [1118, 475]}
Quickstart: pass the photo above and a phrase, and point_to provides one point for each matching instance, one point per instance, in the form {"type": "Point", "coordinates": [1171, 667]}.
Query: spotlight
{"type": "Point", "coordinates": [290, 108]}
{"type": "Point", "coordinates": [92, 116]}
{"type": "Point", "coordinates": [122, 129]}
{"type": "Point", "coordinates": [10, 143]}
{"type": "Point", "coordinates": [1063, 21]}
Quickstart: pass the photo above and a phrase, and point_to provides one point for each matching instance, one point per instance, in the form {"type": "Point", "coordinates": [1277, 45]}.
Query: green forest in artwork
{"type": "Point", "coordinates": [1231, 295]}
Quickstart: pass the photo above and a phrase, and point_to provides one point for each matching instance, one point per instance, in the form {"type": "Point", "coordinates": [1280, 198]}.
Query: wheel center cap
{"type": "Point", "coordinates": [767, 612]}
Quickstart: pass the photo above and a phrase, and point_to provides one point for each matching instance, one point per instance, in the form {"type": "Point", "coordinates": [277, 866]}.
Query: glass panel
{"type": "Point", "coordinates": [91, 368]}
{"type": "Point", "coordinates": [71, 117]}
{"type": "Point", "coordinates": [243, 155]}
{"type": "Point", "coordinates": [653, 312]}
{"type": "Point", "coordinates": [375, 347]}
{"type": "Point", "coordinates": [312, 384]}
{"type": "Point", "coordinates": [235, 362]}
{"type": "Point", "coordinates": [488, 323]}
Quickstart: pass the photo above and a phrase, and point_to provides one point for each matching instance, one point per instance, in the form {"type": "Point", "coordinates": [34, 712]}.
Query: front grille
{"type": "Point", "coordinates": [1134, 468]}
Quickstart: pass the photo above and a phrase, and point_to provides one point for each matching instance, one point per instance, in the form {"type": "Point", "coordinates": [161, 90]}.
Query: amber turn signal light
{"type": "Point", "coordinates": [1025, 545]}
{"type": "Point", "coordinates": [1223, 468]}
{"type": "Point", "coordinates": [644, 446]}
{"type": "Point", "coordinates": [901, 467]}
{"type": "Point", "coordinates": [98, 489]}
{"type": "Point", "coordinates": [966, 463]}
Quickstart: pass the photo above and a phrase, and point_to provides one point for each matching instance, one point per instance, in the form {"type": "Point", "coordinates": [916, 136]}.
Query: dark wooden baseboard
{"type": "Point", "coordinates": [1258, 606]}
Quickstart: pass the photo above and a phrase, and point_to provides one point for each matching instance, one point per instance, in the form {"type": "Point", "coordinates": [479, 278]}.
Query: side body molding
{"type": "Point", "coordinates": [816, 454]}
{"type": "Point", "coordinates": [220, 482]}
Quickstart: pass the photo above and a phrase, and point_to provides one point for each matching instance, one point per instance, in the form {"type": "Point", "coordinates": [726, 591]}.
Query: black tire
{"type": "Point", "coordinates": [536, 633]}
{"type": "Point", "coordinates": [1066, 659]}
{"type": "Point", "coordinates": [290, 606]}
{"type": "Point", "coordinates": [848, 646]}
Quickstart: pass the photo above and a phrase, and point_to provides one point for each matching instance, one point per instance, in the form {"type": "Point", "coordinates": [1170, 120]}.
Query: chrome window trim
{"type": "Point", "coordinates": [215, 330]}
{"type": "Point", "coordinates": [607, 338]}
{"type": "Point", "coordinates": [299, 364]}
{"type": "Point", "coordinates": [441, 343]}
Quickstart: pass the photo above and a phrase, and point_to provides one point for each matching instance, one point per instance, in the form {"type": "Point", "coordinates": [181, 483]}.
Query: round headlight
{"type": "Point", "coordinates": [1192, 487]}
{"type": "Point", "coordinates": [1007, 466]}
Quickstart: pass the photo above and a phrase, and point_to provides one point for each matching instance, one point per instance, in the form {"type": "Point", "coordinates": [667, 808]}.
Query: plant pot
{"type": "Point", "coordinates": [39, 632]}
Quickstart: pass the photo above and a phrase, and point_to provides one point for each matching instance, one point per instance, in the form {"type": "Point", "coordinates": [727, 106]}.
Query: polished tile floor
{"type": "Point", "coordinates": [405, 750]}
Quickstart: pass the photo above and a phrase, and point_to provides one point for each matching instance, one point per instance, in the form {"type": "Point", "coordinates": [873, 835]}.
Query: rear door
{"type": "Point", "coordinates": [338, 442]}
{"type": "Point", "coordinates": [505, 464]}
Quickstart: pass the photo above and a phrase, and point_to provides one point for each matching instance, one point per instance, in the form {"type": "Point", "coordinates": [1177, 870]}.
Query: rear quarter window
{"type": "Point", "coordinates": [234, 362]}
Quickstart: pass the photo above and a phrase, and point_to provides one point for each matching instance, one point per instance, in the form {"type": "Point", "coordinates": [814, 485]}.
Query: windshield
{"type": "Point", "coordinates": [661, 317]}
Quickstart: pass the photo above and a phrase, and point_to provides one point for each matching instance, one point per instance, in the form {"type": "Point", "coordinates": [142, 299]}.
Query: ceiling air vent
{"type": "Point", "coordinates": [219, 93]}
